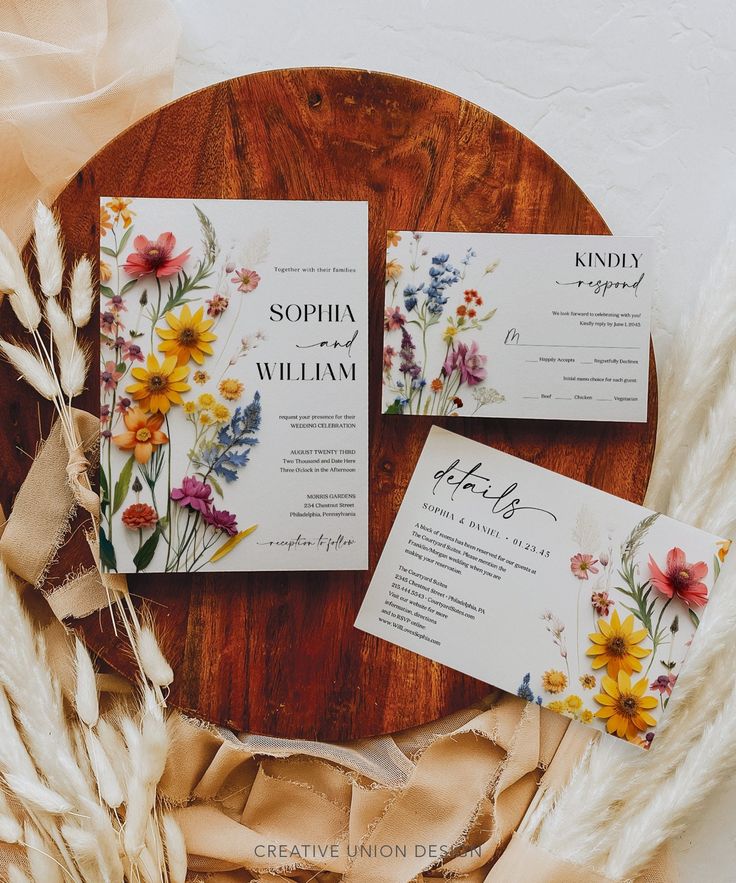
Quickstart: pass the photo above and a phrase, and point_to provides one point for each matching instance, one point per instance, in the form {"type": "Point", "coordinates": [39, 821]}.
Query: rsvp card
{"type": "Point", "coordinates": [511, 325]}
{"type": "Point", "coordinates": [234, 396]}
{"type": "Point", "coordinates": [547, 588]}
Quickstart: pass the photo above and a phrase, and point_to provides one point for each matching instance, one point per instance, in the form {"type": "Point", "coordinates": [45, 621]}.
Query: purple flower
{"type": "Point", "coordinates": [468, 361]}
{"type": "Point", "coordinates": [408, 365]}
{"type": "Point", "coordinates": [193, 493]}
{"type": "Point", "coordinates": [222, 520]}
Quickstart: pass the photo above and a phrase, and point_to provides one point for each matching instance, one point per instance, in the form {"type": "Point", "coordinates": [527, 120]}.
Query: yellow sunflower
{"type": "Point", "coordinates": [586, 716]}
{"type": "Point", "coordinates": [616, 646]}
{"type": "Point", "coordinates": [159, 386]}
{"type": "Point", "coordinates": [231, 389]}
{"type": "Point", "coordinates": [187, 337]}
{"type": "Point", "coordinates": [554, 681]}
{"type": "Point", "coordinates": [625, 708]}
{"type": "Point", "coordinates": [200, 377]}
{"type": "Point", "coordinates": [189, 407]}
{"type": "Point", "coordinates": [573, 703]}
{"type": "Point", "coordinates": [587, 682]}
{"type": "Point", "coordinates": [206, 400]}
{"type": "Point", "coordinates": [221, 412]}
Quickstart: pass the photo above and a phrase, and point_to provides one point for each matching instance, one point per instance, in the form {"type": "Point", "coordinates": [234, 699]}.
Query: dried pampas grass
{"type": "Point", "coordinates": [83, 774]}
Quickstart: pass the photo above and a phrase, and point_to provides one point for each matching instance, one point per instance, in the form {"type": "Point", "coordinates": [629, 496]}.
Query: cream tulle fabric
{"type": "Point", "coordinates": [73, 74]}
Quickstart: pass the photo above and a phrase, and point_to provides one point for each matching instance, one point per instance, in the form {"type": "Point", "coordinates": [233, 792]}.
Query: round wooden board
{"type": "Point", "coordinates": [277, 653]}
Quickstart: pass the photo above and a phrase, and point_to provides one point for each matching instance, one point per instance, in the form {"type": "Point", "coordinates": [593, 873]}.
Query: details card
{"type": "Point", "coordinates": [512, 325]}
{"type": "Point", "coordinates": [547, 588]}
{"type": "Point", "coordinates": [234, 385]}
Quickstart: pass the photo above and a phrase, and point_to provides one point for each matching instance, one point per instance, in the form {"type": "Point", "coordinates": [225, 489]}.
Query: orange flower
{"type": "Point", "coordinates": [392, 238]}
{"type": "Point", "coordinates": [105, 221]}
{"type": "Point", "coordinates": [105, 272]}
{"type": "Point", "coordinates": [723, 550]}
{"type": "Point", "coordinates": [119, 207]}
{"type": "Point", "coordinates": [143, 434]}
{"type": "Point", "coordinates": [436, 385]}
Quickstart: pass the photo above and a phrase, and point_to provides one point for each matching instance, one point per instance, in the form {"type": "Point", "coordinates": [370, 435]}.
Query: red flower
{"type": "Point", "coordinates": [601, 601]}
{"type": "Point", "coordinates": [680, 578]}
{"type": "Point", "coordinates": [139, 516]}
{"type": "Point", "coordinates": [664, 683]}
{"type": "Point", "coordinates": [155, 257]}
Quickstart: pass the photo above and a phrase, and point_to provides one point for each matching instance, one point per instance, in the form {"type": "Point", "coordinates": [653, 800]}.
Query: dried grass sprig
{"type": "Point", "coordinates": [31, 369]}
{"type": "Point", "coordinates": [154, 663]}
{"type": "Point", "coordinates": [14, 282]}
{"type": "Point", "coordinates": [72, 358]}
{"type": "Point", "coordinates": [48, 250]}
{"type": "Point", "coordinates": [81, 293]}
{"type": "Point", "coordinates": [85, 695]}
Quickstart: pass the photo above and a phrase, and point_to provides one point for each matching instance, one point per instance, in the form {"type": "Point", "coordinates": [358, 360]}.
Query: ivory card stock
{"type": "Point", "coordinates": [510, 325]}
{"type": "Point", "coordinates": [234, 385]}
{"type": "Point", "coordinates": [547, 588]}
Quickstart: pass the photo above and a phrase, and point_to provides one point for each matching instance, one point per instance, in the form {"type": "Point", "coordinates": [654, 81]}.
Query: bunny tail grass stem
{"type": "Point", "coordinates": [48, 250]}
{"type": "Point", "coordinates": [80, 292]}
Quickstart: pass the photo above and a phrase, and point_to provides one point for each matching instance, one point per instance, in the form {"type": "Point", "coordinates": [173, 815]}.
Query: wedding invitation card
{"type": "Point", "coordinates": [512, 325]}
{"type": "Point", "coordinates": [547, 588]}
{"type": "Point", "coordinates": [233, 385]}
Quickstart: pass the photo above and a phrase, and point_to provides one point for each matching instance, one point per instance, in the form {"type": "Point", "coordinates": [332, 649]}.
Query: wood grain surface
{"type": "Point", "coordinates": [277, 653]}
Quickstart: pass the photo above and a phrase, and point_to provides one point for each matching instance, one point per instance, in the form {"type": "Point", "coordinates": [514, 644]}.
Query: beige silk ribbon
{"type": "Point", "coordinates": [468, 792]}
{"type": "Point", "coordinates": [56, 484]}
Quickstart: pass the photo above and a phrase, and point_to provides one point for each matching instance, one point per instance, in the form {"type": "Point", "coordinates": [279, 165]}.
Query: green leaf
{"type": "Point", "coordinates": [694, 617]}
{"type": "Point", "coordinates": [106, 291]}
{"type": "Point", "coordinates": [144, 555]}
{"type": "Point", "coordinates": [107, 552]}
{"type": "Point", "coordinates": [215, 484]}
{"type": "Point", "coordinates": [123, 484]}
{"type": "Point", "coordinates": [108, 251]}
{"type": "Point", "coordinates": [395, 408]}
{"type": "Point", "coordinates": [104, 489]}
{"type": "Point", "coordinates": [124, 240]}
{"type": "Point", "coordinates": [128, 285]}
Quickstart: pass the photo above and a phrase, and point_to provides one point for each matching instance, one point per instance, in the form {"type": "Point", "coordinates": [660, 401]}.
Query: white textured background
{"type": "Point", "coordinates": [636, 99]}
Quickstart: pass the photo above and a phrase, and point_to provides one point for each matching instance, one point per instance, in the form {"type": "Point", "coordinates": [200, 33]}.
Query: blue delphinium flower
{"type": "Point", "coordinates": [525, 691]}
{"type": "Point", "coordinates": [441, 258]}
{"type": "Point", "coordinates": [231, 450]}
{"type": "Point", "coordinates": [410, 296]}
{"type": "Point", "coordinates": [418, 383]}
{"type": "Point", "coordinates": [469, 255]}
